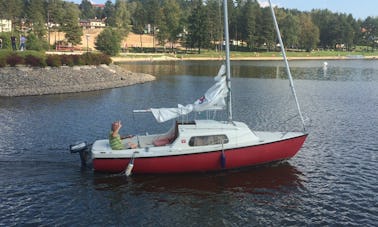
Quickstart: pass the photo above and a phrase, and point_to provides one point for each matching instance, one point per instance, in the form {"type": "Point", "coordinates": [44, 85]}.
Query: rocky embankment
{"type": "Point", "coordinates": [22, 81]}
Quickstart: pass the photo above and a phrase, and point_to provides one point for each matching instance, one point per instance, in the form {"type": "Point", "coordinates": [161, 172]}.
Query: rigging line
{"type": "Point", "coordinates": [287, 120]}
{"type": "Point", "coordinates": [287, 65]}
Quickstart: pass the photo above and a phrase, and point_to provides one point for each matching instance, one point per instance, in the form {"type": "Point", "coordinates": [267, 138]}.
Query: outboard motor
{"type": "Point", "coordinates": [83, 149]}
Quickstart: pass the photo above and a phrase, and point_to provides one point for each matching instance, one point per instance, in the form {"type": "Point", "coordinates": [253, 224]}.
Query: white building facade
{"type": "Point", "coordinates": [5, 25]}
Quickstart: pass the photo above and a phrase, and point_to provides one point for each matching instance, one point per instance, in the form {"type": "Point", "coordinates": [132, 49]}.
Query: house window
{"type": "Point", "coordinates": [207, 140]}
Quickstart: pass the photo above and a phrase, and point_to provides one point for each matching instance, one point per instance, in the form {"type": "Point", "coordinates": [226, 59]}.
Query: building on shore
{"type": "Point", "coordinates": [5, 25]}
{"type": "Point", "coordinates": [92, 23]}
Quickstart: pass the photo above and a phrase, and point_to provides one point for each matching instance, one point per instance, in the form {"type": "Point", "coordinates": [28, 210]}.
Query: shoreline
{"type": "Point", "coordinates": [27, 81]}
{"type": "Point", "coordinates": [136, 58]}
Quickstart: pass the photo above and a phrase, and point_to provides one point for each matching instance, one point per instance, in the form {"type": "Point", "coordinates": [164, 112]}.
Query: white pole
{"type": "Point", "coordinates": [228, 70]}
{"type": "Point", "coordinates": [287, 65]}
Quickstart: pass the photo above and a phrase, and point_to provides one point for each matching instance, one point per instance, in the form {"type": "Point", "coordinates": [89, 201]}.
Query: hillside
{"type": "Point", "coordinates": [132, 40]}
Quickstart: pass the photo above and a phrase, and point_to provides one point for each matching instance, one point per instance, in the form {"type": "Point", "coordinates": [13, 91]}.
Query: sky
{"type": "Point", "coordinates": [360, 9]}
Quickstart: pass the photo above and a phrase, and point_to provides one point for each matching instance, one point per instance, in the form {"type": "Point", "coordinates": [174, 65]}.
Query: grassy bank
{"type": "Point", "coordinates": [209, 54]}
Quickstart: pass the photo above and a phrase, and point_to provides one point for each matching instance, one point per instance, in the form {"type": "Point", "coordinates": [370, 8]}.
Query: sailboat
{"type": "Point", "coordinates": [201, 145]}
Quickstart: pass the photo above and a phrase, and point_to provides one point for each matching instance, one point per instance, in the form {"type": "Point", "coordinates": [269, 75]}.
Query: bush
{"type": "Point", "coordinates": [14, 59]}
{"type": "Point", "coordinates": [53, 61]}
{"type": "Point", "coordinates": [67, 60]}
{"type": "Point", "coordinates": [39, 59]}
{"type": "Point", "coordinates": [3, 57]}
{"type": "Point", "coordinates": [5, 36]}
{"type": "Point", "coordinates": [95, 59]}
{"type": "Point", "coordinates": [34, 43]}
{"type": "Point", "coordinates": [78, 60]}
{"type": "Point", "coordinates": [35, 61]}
{"type": "Point", "coordinates": [33, 58]}
{"type": "Point", "coordinates": [87, 58]}
{"type": "Point", "coordinates": [3, 61]}
{"type": "Point", "coordinates": [105, 59]}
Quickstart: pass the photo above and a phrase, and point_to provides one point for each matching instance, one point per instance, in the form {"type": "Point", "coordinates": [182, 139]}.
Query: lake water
{"type": "Point", "coordinates": [331, 181]}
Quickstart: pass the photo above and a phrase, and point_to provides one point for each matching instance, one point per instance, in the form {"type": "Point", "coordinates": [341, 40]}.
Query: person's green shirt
{"type": "Point", "coordinates": [115, 142]}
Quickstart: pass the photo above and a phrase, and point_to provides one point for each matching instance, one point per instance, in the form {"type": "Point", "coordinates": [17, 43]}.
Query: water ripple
{"type": "Point", "coordinates": [331, 181]}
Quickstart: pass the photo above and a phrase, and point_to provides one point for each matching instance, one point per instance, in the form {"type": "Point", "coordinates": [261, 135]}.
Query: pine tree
{"type": "Point", "coordinates": [87, 10]}
{"type": "Point", "coordinates": [109, 13]}
{"type": "Point", "coordinates": [71, 24]}
{"type": "Point", "coordinates": [198, 27]}
{"type": "Point", "coordinates": [248, 23]}
{"type": "Point", "coordinates": [36, 17]}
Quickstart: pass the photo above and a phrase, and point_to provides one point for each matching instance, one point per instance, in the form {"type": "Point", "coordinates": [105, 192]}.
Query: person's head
{"type": "Point", "coordinates": [116, 125]}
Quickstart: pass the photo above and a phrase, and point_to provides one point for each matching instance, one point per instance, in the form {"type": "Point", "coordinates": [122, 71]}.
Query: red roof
{"type": "Point", "coordinates": [99, 5]}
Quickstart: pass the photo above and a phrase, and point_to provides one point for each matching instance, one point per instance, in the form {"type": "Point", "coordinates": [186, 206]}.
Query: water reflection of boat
{"type": "Point", "coordinates": [202, 145]}
{"type": "Point", "coordinates": [253, 179]}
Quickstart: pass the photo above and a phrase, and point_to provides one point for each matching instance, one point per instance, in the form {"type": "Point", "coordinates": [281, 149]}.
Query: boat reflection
{"type": "Point", "coordinates": [258, 179]}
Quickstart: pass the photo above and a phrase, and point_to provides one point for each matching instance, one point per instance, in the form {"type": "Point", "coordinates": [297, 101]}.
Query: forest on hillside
{"type": "Point", "coordinates": [194, 23]}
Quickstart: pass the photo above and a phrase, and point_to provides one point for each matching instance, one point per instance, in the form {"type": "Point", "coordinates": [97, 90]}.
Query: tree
{"type": "Point", "coordinates": [233, 16]}
{"type": "Point", "coordinates": [370, 31]}
{"type": "Point", "coordinates": [122, 16]}
{"type": "Point", "coordinates": [70, 23]}
{"type": "Point", "coordinates": [265, 29]}
{"type": "Point", "coordinates": [169, 24]}
{"type": "Point", "coordinates": [55, 11]}
{"type": "Point", "coordinates": [290, 30]}
{"type": "Point", "coordinates": [248, 22]}
{"type": "Point", "coordinates": [162, 28]}
{"type": "Point", "coordinates": [353, 32]}
{"type": "Point", "coordinates": [309, 33]}
{"type": "Point", "coordinates": [325, 21]}
{"type": "Point", "coordinates": [36, 17]}
{"type": "Point", "coordinates": [138, 18]}
{"type": "Point", "coordinates": [35, 43]}
{"type": "Point", "coordinates": [108, 41]}
{"type": "Point", "coordinates": [6, 37]}
{"type": "Point", "coordinates": [87, 10]}
{"type": "Point", "coordinates": [11, 9]}
{"type": "Point", "coordinates": [349, 30]}
{"type": "Point", "coordinates": [109, 13]}
{"type": "Point", "coordinates": [153, 15]}
{"type": "Point", "coordinates": [214, 12]}
{"type": "Point", "coordinates": [198, 27]}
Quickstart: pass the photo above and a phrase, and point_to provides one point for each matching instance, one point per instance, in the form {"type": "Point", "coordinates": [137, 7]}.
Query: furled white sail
{"type": "Point", "coordinates": [213, 99]}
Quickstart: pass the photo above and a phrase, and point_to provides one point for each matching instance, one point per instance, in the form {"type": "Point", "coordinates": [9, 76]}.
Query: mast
{"type": "Point", "coordinates": [228, 70]}
{"type": "Point", "coordinates": [287, 65]}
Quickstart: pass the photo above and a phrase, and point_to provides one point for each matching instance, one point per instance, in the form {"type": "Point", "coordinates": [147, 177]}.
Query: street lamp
{"type": "Point", "coordinates": [87, 36]}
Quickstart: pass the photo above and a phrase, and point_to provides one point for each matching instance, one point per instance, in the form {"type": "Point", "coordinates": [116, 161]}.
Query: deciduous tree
{"type": "Point", "coordinates": [122, 16]}
{"type": "Point", "coordinates": [309, 34]}
{"type": "Point", "coordinates": [108, 41]}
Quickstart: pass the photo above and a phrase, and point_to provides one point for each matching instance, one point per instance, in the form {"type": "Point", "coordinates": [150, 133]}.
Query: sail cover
{"type": "Point", "coordinates": [213, 99]}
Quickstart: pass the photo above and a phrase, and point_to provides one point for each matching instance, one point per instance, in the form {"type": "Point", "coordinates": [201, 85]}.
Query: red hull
{"type": "Point", "coordinates": [210, 161]}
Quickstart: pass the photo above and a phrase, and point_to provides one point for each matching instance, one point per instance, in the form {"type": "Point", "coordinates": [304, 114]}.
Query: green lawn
{"type": "Point", "coordinates": [238, 54]}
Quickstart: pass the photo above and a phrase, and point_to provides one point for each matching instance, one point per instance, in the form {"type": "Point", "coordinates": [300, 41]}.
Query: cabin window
{"type": "Point", "coordinates": [207, 140]}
